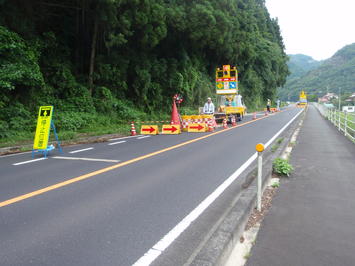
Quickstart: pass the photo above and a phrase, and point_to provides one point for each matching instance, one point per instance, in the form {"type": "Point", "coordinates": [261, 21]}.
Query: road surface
{"type": "Point", "coordinates": [110, 203]}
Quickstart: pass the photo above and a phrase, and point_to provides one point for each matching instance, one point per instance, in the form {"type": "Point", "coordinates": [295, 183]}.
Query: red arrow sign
{"type": "Point", "coordinates": [172, 129]}
{"type": "Point", "coordinates": [151, 129]}
{"type": "Point", "coordinates": [199, 127]}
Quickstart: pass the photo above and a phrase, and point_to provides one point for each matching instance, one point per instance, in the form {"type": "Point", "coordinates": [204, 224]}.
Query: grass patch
{"type": "Point", "coordinates": [282, 167]}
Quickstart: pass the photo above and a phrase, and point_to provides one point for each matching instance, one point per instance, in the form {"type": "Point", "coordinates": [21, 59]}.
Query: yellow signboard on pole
{"type": "Point", "coordinates": [43, 127]}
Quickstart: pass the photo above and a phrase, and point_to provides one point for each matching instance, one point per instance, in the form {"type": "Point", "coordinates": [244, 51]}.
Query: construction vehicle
{"type": "Point", "coordinates": [229, 102]}
{"type": "Point", "coordinates": [302, 102]}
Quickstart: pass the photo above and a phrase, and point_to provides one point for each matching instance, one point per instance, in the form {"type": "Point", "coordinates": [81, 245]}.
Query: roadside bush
{"type": "Point", "coordinates": [282, 167]}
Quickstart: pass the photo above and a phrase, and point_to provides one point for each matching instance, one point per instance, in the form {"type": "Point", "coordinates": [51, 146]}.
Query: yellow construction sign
{"type": "Point", "coordinates": [43, 127]}
{"type": "Point", "coordinates": [171, 129]}
{"type": "Point", "coordinates": [200, 127]}
{"type": "Point", "coordinates": [149, 130]}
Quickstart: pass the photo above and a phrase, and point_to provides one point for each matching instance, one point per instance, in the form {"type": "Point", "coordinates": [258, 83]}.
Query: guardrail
{"type": "Point", "coordinates": [344, 121]}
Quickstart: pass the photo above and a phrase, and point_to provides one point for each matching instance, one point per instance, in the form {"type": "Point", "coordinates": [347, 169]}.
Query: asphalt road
{"type": "Point", "coordinates": [78, 212]}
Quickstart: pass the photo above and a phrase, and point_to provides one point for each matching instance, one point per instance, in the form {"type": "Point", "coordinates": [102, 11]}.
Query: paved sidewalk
{"type": "Point", "coordinates": [312, 218]}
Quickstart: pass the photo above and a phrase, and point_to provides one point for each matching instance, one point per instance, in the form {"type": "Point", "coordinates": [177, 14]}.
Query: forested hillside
{"type": "Point", "coordinates": [331, 74]}
{"type": "Point", "coordinates": [105, 61]}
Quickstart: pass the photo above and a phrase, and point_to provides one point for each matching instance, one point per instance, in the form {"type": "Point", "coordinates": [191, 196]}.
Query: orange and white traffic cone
{"type": "Point", "coordinates": [133, 129]}
{"type": "Point", "coordinates": [254, 116]}
{"type": "Point", "coordinates": [225, 123]}
{"type": "Point", "coordinates": [210, 126]}
{"type": "Point", "coordinates": [234, 122]}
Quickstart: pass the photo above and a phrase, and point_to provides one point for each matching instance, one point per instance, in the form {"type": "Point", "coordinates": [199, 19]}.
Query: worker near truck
{"type": "Point", "coordinates": [208, 108]}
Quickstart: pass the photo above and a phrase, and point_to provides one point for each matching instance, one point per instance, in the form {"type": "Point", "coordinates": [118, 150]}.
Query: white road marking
{"type": "Point", "coordinates": [87, 149]}
{"type": "Point", "coordinates": [10, 155]}
{"type": "Point", "coordinates": [30, 161]}
{"type": "Point", "coordinates": [85, 159]}
{"type": "Point", "coordinates": [118, 142]}
{"type": "Point", "coordinates": [143, 137]}
{"type": "Point", "coordinates": [124, 138]}
{"type": "Point", "coordinates": [174, 233]}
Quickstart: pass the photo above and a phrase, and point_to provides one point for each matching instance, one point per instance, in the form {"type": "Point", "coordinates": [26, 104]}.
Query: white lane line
{"type": "Point", "coordinates": [124, 138]}
{"type": "Point", "coordinates": [118, 142]}
{"type": "Point", "coordinates": [87, 149]}
{"type": "Point", "coordinates": [165, 242]}
{"type": "Point", "coordinates": [30, 161]}
{"type": "Point", "coordinates": [85, 159]}
{"type": "Point", "coordinates": [143, 137]}
{"type": "Point", "coordinates": [10, 155]}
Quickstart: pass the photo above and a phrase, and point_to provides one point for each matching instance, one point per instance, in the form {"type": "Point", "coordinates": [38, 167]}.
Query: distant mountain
{"type": "Point", "coordinates": [318, 77]}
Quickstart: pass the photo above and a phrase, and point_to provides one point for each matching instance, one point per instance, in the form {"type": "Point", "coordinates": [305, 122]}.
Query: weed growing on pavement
{"type": "Point", "coordinates": [247, 256]}
{"type": "Point", "coordinates": [275, 185]}
{"type": "Point", "coordinates": [274, 147]}
{"type": "Point", "coordinates": [282, 167]}
{"type": "Point", "coordinates": [279, 140]}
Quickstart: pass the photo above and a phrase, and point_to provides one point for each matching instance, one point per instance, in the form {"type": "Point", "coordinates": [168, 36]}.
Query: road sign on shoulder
{"type": "Point", "coordinates": [43, 127]}
{"type": "Point", "coordinates": [171, 129]}
{"type": "Point", "coordinates": [201, 127]}
{"type": "Point", "coordinates": [149, 130]}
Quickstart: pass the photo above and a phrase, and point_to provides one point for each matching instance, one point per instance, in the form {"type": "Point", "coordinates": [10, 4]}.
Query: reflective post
{"type": "Point", "coordinates": [259, 148]}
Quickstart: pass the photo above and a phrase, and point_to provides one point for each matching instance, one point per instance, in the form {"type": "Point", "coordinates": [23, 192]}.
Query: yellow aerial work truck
{"type": "Point", "coordinates": [302, 102]}
{"type": "Point", "coordinates": [229, 102]}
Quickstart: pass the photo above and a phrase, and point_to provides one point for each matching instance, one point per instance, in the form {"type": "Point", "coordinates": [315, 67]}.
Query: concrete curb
{"type": "Point", "coordinates": [219, 246]}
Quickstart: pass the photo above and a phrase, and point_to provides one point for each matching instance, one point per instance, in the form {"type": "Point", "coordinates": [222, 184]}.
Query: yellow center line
{"type": "Point", "coordinates": [106, 169]}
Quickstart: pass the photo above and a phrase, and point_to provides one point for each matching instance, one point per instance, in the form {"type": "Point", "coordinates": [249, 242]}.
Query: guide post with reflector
{"type": "Point", "coordinates": [259, 148]}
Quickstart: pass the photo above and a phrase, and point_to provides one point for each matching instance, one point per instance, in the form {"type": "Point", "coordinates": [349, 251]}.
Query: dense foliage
{"type": "Point", "coordinates": [318, 78]}
{"type": "Point", "coordinates": [125, 58]}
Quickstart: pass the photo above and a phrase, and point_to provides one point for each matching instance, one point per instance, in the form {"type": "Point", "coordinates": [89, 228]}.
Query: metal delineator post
{"type": "Point", "coordinates": [259, 148]}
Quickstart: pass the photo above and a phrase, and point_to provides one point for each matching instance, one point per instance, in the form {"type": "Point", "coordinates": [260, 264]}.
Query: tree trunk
{"type": "Point", "coordinates": [92, 55]}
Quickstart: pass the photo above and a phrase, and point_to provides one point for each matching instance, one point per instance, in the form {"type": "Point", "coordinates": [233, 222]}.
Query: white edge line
{"type": "Point", "coordinates": [30, 161]}
{"type": "Point", "coordinates": [118, 142]}
{"type": "Point", "coordinates": [87, 149]}
{"type": "Point", "coordinates": [9, 155]}
{"type": "Point", "coordinates": [85, 159]}
{"type": "Point", "coordinates": [124, 138]}
{"type": "Point", "coordinates": [143, 137]}
{"type": "Point", "coordinates": [174, 233]}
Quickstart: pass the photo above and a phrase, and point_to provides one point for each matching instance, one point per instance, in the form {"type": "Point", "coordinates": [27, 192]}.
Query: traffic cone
{"type": "Point", "coordinates": [225, 123]}
{"type": "Point", "coordinates": [174, 115]}
{"type": "Point", "coordinates": [234, 122]}
{"type": "Point", "coordinates": [254, 116]}
{"type": "Point", "coordinates": [133, 129]}
{"type": "Point", "coordinates": [210, 126]}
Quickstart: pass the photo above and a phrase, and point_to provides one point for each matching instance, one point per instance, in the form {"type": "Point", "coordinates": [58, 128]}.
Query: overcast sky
{"type": "Point", "coordinates": [317, 28]}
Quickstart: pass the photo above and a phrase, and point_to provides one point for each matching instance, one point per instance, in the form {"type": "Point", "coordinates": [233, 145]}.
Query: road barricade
{"type": "Point", "coordinates": [149, 130]}
{"type": "Point", "coordinates": [171, 129]}
{"type": "Point", "coordinates": [197, 127]}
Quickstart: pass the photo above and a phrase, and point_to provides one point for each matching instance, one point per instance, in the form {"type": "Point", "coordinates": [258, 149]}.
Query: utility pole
{"type": "Point", "coordinates": [339, 97]}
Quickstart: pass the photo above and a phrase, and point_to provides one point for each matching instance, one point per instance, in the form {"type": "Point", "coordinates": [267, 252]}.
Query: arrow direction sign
{"type": "Point", "coordinates": [197, 127]}
{"type": "Point", "coordinates": [149, 130]}
{"type": "Point", "coordinates": [171, 129]}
